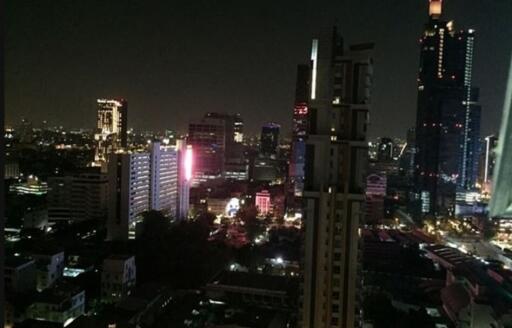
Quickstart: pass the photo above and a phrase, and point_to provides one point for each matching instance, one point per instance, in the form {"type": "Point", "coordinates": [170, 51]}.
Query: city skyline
{"type": "Point", "coordinates": [155, 68]}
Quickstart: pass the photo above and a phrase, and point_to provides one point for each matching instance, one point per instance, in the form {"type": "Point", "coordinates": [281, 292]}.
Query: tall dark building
{"type": "Point", "coordinates": [335, 176]}
{"type": "Point", "coordinates": [269, 140]}
{"type": "Point", "coordinates": [448, 114]}
{"type": "Point", "coordinates": [299, 130]}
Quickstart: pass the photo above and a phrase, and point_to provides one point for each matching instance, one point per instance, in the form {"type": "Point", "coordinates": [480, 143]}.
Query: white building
{"type": "Point", "coordinates": [118, 277]}
{"type": "Point", "coordinates": [129, 176]}
{"type": "Point", "coordinates": [139, 182]}
{"type": "Point", "coordinates": [164, 179]}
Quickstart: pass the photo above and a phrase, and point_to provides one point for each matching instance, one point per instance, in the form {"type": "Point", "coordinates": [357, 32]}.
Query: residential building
{"type": "Point", "coordinates": [335, 176]}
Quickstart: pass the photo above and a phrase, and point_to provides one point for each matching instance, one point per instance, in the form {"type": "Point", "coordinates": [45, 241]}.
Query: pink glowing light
{"type": "Point", "coordinates": [187, 163]}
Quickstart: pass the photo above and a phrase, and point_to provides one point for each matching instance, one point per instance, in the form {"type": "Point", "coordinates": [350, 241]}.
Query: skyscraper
{"type": "Point", "coordinates": [269, 140]}
{"type": "Point", "coordinates": [299, 130]}
{"type": "Point", "coordinates": [448, 114]}
{"type": "Point", "coordinates": [139, 182]}
{"type": "Point", "coordinates": [217, 143]}
{"type": "Point", "coordinates": [336, 159]}
{"type": "Point", "coordinates": [111, 128]}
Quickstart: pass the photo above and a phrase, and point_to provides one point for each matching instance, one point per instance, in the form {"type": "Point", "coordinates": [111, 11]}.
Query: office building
{"type": "Point", "coordinates": [32, 185]}
{"type": "Point", "coordinates": [111, 128]}
{"type": "Point", "coordinates": [164, 179]}
{"type": "Point", "coordinates": [299, 135]}
{"type": "Point", "coordinates": [118, 277]}
{"type": "Point", "coordinates": [139, 182]}
{"type": "Point", "coordinates": [78, 197]}
{"type": "Point", "coordinates": [269, 139]}
{"type": "Point", "coordinates": [375, 194]}
{"type": "Point", "coordinates": [207, 137]}
{"type": "Point", "coordinates": [129, 176]}
{"type": "Point", "coordinates": [335, 176]}
{"type": "Point", "coordinates": [448, 114]}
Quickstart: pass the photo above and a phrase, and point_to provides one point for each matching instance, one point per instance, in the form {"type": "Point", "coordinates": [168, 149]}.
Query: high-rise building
{"type": "Point", "coordinates": [129, 176]}
{"type": "Point", "coordinates": [78, 197]}
{"type": "Point", "coordinates": [218, 150]}
{"type": "Point", "coordinates": [448, 114]}
{"type": "Point", "coordinates": [299, 131]}
{"type": "Point", "coordinates": [164, 179]}
{"type": "Point", "coordinates": [139, 182]}
{"type": "Point", "coordinates": [375, 194]}
{"type": "Point", "coordinates": [269, 140]}
{"type": "Point", "coordinates": [336, 159]}
{"type": "Point", "coordinates": [111, 128]}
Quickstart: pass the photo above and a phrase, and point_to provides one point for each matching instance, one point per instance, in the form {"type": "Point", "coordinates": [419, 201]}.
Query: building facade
{"type": "Point", "coordinates": [111, 128]}
{"type": "Point", "coordinates": [139, 182]}
{"type": "Point", "coordinates": [336, 159]}
{"type": "Point", "coordinates": [78, 197]}
{"type": "Point", "coordinates": [448, 115]}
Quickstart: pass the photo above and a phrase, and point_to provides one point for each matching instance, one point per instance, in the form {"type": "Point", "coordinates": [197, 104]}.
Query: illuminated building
{"type": "Point", "coordinates": [269, 139]}
{"type": "Point", "coordinates": [263, 202]}
{"type": "Point", "coordinates": [299, 134]}
{"type": "Point", "coordinates": [31, 186]}
{"type": "Point", "coordinates": [111, 128]}
{"type": "Point", "coordinates": [139, 182]}
{"type": "Point", "coordinates": [207, 138]}
{"type": "Point", "coordinates": [335, 177]}
{"type": "Point", "coordinates": [448, 115]}
{"type": "Point", "coordinates": [118, 277]}
{"type": "Point", "coordinates": [487, 163]}
{"type": "Point", "coordinates": [78, 197]}
{"type": "Point", "coordinates": [185, 169]}
{"type": "Point", "coordinates": [375, 193]}
{"type": "Point", "coordinates": [164, 179]}
{"type": "Point", "coordinates": [129, 176]}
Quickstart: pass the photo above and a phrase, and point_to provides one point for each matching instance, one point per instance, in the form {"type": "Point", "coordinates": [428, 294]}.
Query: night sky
{"type": "Point", "coordinates": [175, 60]}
